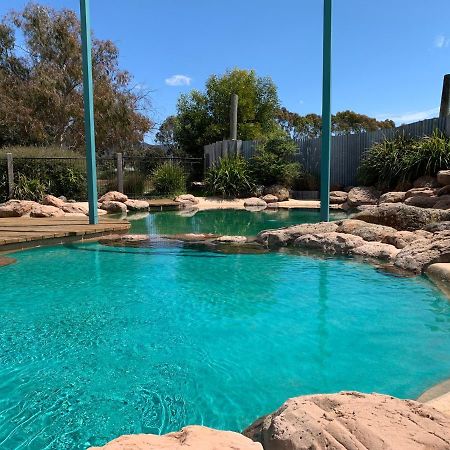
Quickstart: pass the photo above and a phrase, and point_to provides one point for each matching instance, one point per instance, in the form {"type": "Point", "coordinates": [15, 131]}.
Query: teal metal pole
{"type": "Point", "coordinates": [88, 95]}
{"type": "Point", "coordinates": [326, 114]}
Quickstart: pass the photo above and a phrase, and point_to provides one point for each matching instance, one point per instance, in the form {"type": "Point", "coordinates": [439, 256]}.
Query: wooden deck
{"type": "Point", "coordinates": [22, 232]}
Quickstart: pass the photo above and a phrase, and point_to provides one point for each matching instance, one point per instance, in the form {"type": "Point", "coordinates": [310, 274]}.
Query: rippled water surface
{"type": "Point", "coordinates": [97, 341]}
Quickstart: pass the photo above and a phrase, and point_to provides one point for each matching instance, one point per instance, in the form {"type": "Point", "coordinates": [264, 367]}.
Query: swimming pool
{"type": "Point", "coordinates": [100, 341]}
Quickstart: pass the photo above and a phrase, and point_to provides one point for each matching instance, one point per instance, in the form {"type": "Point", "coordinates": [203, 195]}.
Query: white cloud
{"type": "Point", "coordinates": [441, 41]}
{"type": "Point", "coordinates": [410, 117]}
{"type": "Point", "coordinates": [178, 80]}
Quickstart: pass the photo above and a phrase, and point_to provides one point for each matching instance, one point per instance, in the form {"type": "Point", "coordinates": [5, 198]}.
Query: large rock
{"type": "Point", "coordinates": [443, 177]}
{"type": "Point", "coordinates": [189, 438]}
{"type": "Point", "coordinates": [137, 205]}
{"type": "Point", "coordinates": [331, 243]}
{"type": "Point", "coordinates": [270, 198]}
{"type": "Point", "coordinates": [401, 239]}
{"type": "Point", "coordinates": [421, 192]}
{"type": "Point", "coordinates": [285, 236]}
{"type": "Point", "coordinates": [187, 198]}
{"type": "Point", "coordinates": [16, 208]}
{"type": "Point", "coordinates": [401, 216]}
{"type": "Point", "coordinates": [113, 196]}
{"type": "Point", "coordinates": [280, 192]}
{"type": "Point", "coordinates": [363, 196]}
{"type": "Point", "coordinates": [338, 197]}
{"type": "Point", "coordinates": [443, 202]}
{"type": "Point", "coordinates": [422, 201]}
{"type": "Point", "coordinates": [46, 211]}
{"type": "Point", "coordinates": [51, 200]}
{"type": "Point", "coordinates": [365, 230]}
{"type": "Point", "coordinates": [393, 197]}
{"type": "Point", "coordinates": [376, 250]}
{"type": "Point", "coordinates": [418, 255]}
{"type": "Point", "coordinates": [352, 421]}
{"type": "Point", "coordinates": [426, 181]}
{"type": "Point", "coordinates": [112, 207]}
{"type": "Point", "coordinates": [254, 201]}
{"type": "Point", "coordinates": [73, 208]}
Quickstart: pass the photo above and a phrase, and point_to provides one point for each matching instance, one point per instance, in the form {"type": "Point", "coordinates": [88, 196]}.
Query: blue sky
{"type": "Point", "coordinates": [389, 55]}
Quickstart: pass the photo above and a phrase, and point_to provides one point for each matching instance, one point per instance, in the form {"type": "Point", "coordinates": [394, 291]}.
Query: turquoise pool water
{"type": "Point", "coordinates": [99, 341]}
{"type": "Point", "coordinates": [229, 222]}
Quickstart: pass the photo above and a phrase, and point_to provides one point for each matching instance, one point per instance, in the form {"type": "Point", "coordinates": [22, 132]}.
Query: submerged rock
{"type": "Point", "coordinates": [6, 261]}
{"type": "Point", "coordinates": [189, 438]}
{"type": "Point", "coordinates": [352, 421]}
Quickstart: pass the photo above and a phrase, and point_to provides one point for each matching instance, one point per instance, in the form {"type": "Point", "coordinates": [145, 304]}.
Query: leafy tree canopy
{"type": "Point", "coordinates": [41, 99]}
{"type": "Point", "coordinates": [204, 117]}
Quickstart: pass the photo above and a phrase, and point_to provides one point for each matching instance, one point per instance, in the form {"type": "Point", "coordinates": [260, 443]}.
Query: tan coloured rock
{"type": "Point", "coordinates": [352, 421]}
{"type": "Point", "coordinates": [443, 202]}
{"type": "Point", "coordinates": [376, 250]}
{"type": "Point", "coordinates": [392, 197]}
{"type": "Point", "coordinates": [438, 226]}
{"type": "Point", "coordinates": [443, 177]}
{"type": "Point", "coordinates": [421, 192]}
{"type": "Point", "coordinates": [363, 196]}
{"type": "Point", "coordinates": [72, 208]}
{"type": "Point", "coordinates": [286, 236]}
{"type": "Point", "coordinates": [280, 192]}
{"type": "Point", "coordinates": [401, 239]}
{"type": "Point", "coordinates": [368, 231]}
{"type": "Point", "coordinates": [16, 208]}
{"type": "Point", "coordinates": [46, 211]}
{"type": "Point", "coordinates": [51, 200]}
{"type": "Point", "coordinates": [231, 240]}
{"type": "Point", "coordinates": [113, 207]}
{"type": "Point", "coordinates": [270, 198]}
{"type": "Point", "coordinates": [401, 216]}
{"type": "Point", "coordinates": [113, 196]}
{"type": "Point", "coordinates": [422, 201]}
{"type": "Point", "coordinates": [189, 438]}
{"type": "Point", "coordinates": [187, 198]}
{"type": "Point", "coordinates": [137, 205]}
{"type": "Point", "coordinates": [6, 261]}
{"type": "Point", "coordinates": [254, 201]}
{"type": "Point", "coordinates": [338, 197]}
{"type": "Point", "coordinates": [330, 243]}
{"type": "Point", "coordinates": [426, 181]}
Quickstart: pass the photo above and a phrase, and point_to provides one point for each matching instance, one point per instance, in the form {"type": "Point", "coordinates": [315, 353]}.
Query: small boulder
{"type": "Point", "coordinates": [426, 181]}
{"type": "Point", "coordinates": [331, 243]}
{"type": "Point", "coordinates": [254, 202]}
{"type": "Point", "coordinates": [137, 205]}
{"type": "Point", "coordinates": [393, 197]}
{"type": "Point", "coordinates": [421, 201]}
{"type": "Point", "coordinates": [112, 207]}
{"type": "Point", "coordinates": [443, 202]}
{"type": "Point", "coordinates": [352, 420]}
{"type": "Point", "coordinates": [17, 208]}
{"type": "Point", "coordinates": [51, 200]}
{"type": "Point", "coordinates": [280, 192]}
{"type": "Point", "coordinates": [367, 231]}
{"type": "Point", "coordinates": [231, 240]}
{"type": "Point", "coordinates": [421, 192]}
{"type": "Point", "coordinates": [73, 208]}
{"type": "Point", "coordinates": [270, 198]}
{"type": "Point", "coordinates": [443, 177]}
{"type": "Point", "coordinates": [187, 198]}
{"type": "Point", "coordinates": [338, 197]}
{"type": "Point", "coordinates": [363, 196]}
{"type": "Point", "coordinates": [113, 196]}
{"type": "Point", "coordinates": [444, 191]}
{"type": "Point", "coordinates": [189, 438]}
{"type": "Point", "coordinates": [46, 211]}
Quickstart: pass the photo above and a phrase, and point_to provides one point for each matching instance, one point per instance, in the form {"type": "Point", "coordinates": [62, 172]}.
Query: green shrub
{"type": "Point", "coordinates": [29, 188]}
{"type": "Point", "coordinates": [169, 179]}
{"type": "Point", "coordinates": [231, 177]}
{"type": "Point", "coordinates": [404, 159]}
{"type": "Point", "coordinates": [135, 183]}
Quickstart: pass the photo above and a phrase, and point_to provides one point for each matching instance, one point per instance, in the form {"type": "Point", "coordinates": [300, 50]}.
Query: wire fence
{"type": "Point", "coordinates": [28, 177]}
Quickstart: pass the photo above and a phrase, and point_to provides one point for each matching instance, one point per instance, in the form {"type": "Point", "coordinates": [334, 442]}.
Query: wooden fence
{"type": "Point", "coordinates": [346, 150]}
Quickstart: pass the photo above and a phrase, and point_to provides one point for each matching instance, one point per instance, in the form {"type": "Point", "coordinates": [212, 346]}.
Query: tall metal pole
{"type": "Point", "coordinates": [88, 95]}
{"type": "Point", "coordinates": [326, 114]}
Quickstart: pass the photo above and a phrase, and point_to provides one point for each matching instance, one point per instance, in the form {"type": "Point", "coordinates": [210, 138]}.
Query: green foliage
{"type": "Point", "coordinates": [169, 179]}
{"type": "Point", "coordinates": [231, 177]}
{"type": "Point", "coordinates": [204, 117]}
{"type": "Point", "coordinates": [404, 159]}
{"type": "Point", "coordinates": [29, 188]}
{"type": "Point", "coordinates": [135, 183]}
{"type": "Point", "coordinates": [271, 163]}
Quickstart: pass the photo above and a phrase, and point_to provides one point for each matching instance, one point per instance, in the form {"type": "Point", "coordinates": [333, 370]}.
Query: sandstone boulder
{"type": "Point", "coordinates": [363, 196]}
{"type": "Point", "coordinates": [421, 201]}
{"type": "Point", "coordinates": [401, 239]}
{"type": "Point", "coordinates": [376, 250]}
{"type": "Point", "coordinates": [418, 255]}
{"type": "Point", "coordinates": [368, 231]}
{"type": "Point", "coordinates": [330, 243]}
{"type": "Point", "coordinates": [280, 192]}
{"type": "Point", "coordinates": [443, 202]}
{"type": "Point", "coordinates": [443, 177]}
{"type": "Point", "coordinates": [444, 190]}
{"type": "Point", "coordinates": [338, 197]}
{"type": "Point", "coordinates": [438, 226]}
{"type": "Point", "coordinates": [401, 216]}
{"type": "Point", "coordinates": [51, 200]}
{"type": "Point", "coordinates": [426, 181]}
{"type": "Point", "coordinates": [16, 208]}
{"type": "Point", "coordinates": [421, 192]}
{"type": "Point", "coordinates": [73, 208]}
{"type": "Point", "coordinates": [393, 197]}
{"type": "Point", "coordinates": [189, 438]}
{"type": "Point", "coordinates": [352, 421]}
{"type": "Point", "coordinates": [231, 240]}
{"type": "Point", "coordinates": [113, 196]}
{"type": "Point", "coordinates": [46, 211]}
{"type": "Point", "coordinates": [254, 201]}
{"type": "Point", "coordinates": [137, 205]}
{"type": "Point", "coordinates": [113, 207]}
{"type": "Point", "coordinates": [286, 236]}
{"type": "Point", "coordinates": [270, 198]}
